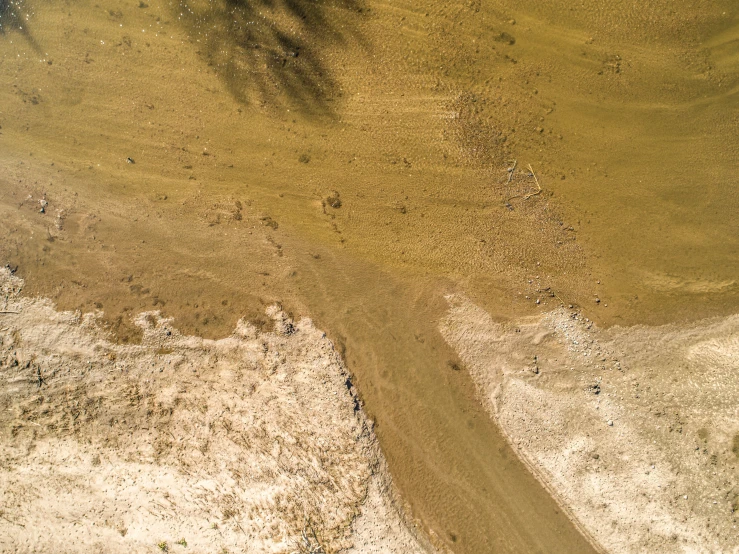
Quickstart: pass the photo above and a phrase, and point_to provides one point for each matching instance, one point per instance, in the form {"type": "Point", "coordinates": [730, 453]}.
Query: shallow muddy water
{"type": "Point", "coordinates": [356, 161]}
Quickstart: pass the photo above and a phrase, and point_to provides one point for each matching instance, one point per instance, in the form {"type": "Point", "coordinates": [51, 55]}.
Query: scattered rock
{"type": "Point", "coordinates": [506, 38]}
{"type": "Point", "coordinates": [334, 200]}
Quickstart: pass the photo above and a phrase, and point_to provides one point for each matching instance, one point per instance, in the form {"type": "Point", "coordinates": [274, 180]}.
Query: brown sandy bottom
{"type": "Point", "coordinates": [635, 430]}
{"type": "Point", "coordinates": [251, 443]}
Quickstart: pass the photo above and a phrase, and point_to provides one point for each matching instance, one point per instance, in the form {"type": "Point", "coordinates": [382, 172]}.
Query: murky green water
{"type": "Point", "coordinates": [649, 149]}
{"type": "Point", "coordinates": [350, 160]}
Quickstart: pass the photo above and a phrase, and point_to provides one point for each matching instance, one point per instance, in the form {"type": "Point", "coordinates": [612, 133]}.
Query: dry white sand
{"type": "Point", "coordinates": [635, 430]}
{"type": "Point", "coordinates": [252, 443]}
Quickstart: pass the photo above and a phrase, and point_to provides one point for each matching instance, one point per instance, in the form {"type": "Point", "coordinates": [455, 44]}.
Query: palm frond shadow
{"type": "Point", "coordinates": [271, 51]}
{"type": "Point", "coordinates": [9, 15]}
{"type": "Point", "coordinates": [11, 20]}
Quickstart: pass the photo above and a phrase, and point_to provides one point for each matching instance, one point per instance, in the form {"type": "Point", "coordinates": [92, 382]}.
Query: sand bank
{"type": "Point", "coordinates": [635, 430]}
{"type": "Point", "coordinates": [252, 443]}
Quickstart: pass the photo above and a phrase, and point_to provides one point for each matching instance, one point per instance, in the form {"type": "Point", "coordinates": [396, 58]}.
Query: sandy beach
{"type": "Point", "coordinates": [634, 430]}
{"type": "Point", "coordinates": [252, 443]}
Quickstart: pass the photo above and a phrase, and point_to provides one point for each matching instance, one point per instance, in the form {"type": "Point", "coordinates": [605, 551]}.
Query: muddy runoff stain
{"type": "Point", "coordinates": [456, 472]}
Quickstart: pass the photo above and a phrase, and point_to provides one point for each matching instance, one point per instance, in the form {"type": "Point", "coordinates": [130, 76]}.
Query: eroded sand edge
{"type": "Point", "coordinates": [252, 443]}
{"type": "Point", "coordinates": [635, 430]}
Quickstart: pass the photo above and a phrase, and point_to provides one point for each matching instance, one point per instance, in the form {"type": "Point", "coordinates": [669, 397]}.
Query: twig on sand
{"type": "Point", "coordinates": [240, 527]}
{"type": "Point", "coordinates": [538, 186]}
{"type": "Point", "coordinates": [539, 190]}
{"type": "Point", "coordinates": [3, 516]}
{"type": "Point", "coordinates": [311, 543]}
{"type": "Point", "coordinates": [8, 312]}
{"type": "Point", "coordinates": [558, 298]}
{"type": "Point", "coordinates": [510, 171]}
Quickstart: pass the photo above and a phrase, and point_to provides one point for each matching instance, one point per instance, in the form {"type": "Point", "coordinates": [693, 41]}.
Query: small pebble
{"type": "Point", "coordinates": [610, 423]}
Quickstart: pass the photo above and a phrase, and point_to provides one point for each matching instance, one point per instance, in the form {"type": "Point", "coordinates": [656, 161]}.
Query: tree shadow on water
{"type": "Point", "coordinates": [10, 17]}
{"type": "Point", "coordinates": [273, 51]}
{"type": "Point", "coordinates": [12, 20]}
